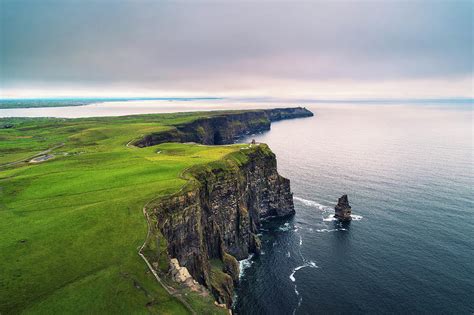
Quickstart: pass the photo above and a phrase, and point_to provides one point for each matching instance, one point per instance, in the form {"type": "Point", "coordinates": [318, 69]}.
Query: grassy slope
{"type": "Point", "coordinates": [71, 226]}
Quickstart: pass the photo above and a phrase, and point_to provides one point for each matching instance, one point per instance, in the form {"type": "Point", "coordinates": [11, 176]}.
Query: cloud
{"type": "Point", "coordinates": [239, 46]}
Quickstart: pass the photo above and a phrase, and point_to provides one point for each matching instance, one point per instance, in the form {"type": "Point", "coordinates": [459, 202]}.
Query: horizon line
{"type": "Point", "coordinates": [240, 98]}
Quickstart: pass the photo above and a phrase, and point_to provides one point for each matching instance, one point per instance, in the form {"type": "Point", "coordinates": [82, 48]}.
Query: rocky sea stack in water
{"type": "Point", "coordinates": [343, 209]}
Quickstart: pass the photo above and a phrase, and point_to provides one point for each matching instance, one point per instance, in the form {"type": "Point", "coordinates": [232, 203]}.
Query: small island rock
{"type": "Point", "coordinates": [343, 209]}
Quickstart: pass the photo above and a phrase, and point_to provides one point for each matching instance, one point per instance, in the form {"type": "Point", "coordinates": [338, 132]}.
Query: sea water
{"type": "Point", "coordinates": [408, 172]}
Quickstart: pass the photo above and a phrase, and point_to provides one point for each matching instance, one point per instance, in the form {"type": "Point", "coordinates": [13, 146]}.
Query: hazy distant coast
{"type": "Point", "coordinates": [61, 102]}
{"type": "Point", "coordinates": [102, 107]}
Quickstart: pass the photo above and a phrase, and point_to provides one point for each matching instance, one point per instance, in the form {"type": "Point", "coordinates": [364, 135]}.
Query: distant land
{"type": "Point", "coordinates": [60, 102]}
{"type": "Point", "coordinates": [81, 101]}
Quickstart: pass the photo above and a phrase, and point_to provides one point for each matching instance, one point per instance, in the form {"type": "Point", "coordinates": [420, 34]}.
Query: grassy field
{"type": "Point", "coordinates": [60, 102]}
{"type": "Point", "coordinates": [71, 226]}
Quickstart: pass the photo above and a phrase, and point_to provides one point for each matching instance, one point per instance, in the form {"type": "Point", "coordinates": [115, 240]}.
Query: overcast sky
{"type": "Point", "coordinates": [256, 48]}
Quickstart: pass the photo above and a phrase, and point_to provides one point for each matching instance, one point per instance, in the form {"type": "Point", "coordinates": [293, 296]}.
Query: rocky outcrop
{"type": "Point", "coordinates": [343, 209]}
{"type": "Point", "coordinates": [214, 220]}
{"type": "Point", "coordinates": [222, 128]}
{"type": "Point", "coordinates": [277, 114]}
{"type": "Point", "coordinates": [182, 275]}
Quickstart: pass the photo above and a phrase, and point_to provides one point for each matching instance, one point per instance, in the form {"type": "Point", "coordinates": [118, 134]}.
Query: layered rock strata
{"type": "Point", "coordinates": [222, 128]}
{"type": "Point", "coordinates": [214, 220]}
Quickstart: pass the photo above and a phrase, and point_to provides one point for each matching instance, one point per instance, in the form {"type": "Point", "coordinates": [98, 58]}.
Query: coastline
{"type": "Point", "coordinates": [104, 140]}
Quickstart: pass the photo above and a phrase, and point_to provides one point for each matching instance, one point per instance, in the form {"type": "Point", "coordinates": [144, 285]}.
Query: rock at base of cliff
{"type": "Point", "coordinates": [231, 267]}
{"type": "Point", "coordinates": [182, 275]}
{"type": "Point", "coordinates": [343, 209]}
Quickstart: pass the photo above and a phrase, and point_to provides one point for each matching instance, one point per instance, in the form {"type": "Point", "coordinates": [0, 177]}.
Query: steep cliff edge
{"type": "Point", "coordinates": [223, 128]}
{"type": "Point", "coordinates": [213, 221]}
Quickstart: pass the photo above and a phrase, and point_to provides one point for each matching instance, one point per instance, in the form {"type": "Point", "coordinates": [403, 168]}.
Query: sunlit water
{"type": "Point", "coordinates": [408, 171]}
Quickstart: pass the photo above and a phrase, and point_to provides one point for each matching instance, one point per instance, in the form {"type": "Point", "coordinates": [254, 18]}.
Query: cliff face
{"type": "Point", "coordinates": [287, 113]}
{"type": "Point", "coordinates": [214, 220]}
{"type": "Point", "coordinates": [224, 128]}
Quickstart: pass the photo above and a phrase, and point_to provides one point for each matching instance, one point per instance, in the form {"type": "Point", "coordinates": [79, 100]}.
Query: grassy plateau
{"type": "Point", "coordinates": [71, 226]}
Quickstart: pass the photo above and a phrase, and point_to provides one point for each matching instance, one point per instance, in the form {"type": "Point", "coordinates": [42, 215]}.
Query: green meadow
{"type": "Point", "coordinates": [71, 226]}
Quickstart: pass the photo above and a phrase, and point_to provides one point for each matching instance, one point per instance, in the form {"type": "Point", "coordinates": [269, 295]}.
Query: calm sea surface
{"type": "Point", "coordinates": [408, 172]}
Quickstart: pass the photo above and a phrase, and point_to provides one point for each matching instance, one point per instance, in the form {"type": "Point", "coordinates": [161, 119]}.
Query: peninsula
{"type": "Point", "coordinates": [75, 236]}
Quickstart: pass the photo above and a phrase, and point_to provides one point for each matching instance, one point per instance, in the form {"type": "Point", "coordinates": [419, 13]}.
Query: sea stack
{"type": "Point", "coordinates": [343, 209]}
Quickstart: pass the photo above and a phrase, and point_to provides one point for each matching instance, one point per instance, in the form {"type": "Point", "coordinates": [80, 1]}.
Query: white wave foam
{"type": "Point", "coordinates": [244, 264]}
{"type": "Point", "coordinates": [292, 278]}
{"type": "Point", "coordinates": [329, 219]}
{"type": "Point", "coordinates": [330, 230]}
{"type": "Point", "coordinates": [355, 217]}
{"type": "Point", "coordinates": [288, 254]}
{"type": "Point", "coordinates": [301, 240]}
{"type": "Point", "coordinates": [310, 264]}
{"type": "Point", "coordinates": [312, 203]}
{"type": "Point", "coordinates": [286, 227]}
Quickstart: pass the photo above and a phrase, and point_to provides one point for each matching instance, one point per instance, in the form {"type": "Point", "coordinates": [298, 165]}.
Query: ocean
{"type": "Point", "coordinates": [408, 172]}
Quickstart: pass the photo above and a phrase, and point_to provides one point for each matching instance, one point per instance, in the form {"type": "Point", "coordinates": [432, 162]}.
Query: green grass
{"type": "Point", "coordinates": [61, 102]}
{"type": "Point", "coordinates": [71, 226]}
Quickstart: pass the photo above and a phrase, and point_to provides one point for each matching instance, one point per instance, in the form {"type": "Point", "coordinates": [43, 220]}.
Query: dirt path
{"type": "Point", "coordinates": [170, 291]}
{"type": "Point", "coordinates": [32, 157]}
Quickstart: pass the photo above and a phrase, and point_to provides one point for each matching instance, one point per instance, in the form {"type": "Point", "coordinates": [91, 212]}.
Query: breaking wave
{"type": "Point", "coordinates": [286, 227]}
{"type": "Point", "coordinates": [312, 203]}
{"type": "Point", "coordinates": [330, 218]}
{"type": "Point", "coordinates": [244, 264]}
{"type": "Point", "coordinates": [310, 264]}
{"type": "Point", "coordinates": [330, 230]}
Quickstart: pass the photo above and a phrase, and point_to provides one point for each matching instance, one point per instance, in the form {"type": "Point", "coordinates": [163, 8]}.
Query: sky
{"type": "Point", "coordinates": [314, 49]}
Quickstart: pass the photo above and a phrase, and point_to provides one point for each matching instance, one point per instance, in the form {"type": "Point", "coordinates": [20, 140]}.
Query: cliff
{"type": "Point", "coordinates": [222, 128]}
{"type": "Point", "coordinates": [213, 221]}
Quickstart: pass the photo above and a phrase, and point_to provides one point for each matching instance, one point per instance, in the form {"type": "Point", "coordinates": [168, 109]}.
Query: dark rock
{"type": "Point", "coordinates": [343, 209]}
{"type": "Point", "coordinates": [6, 126]}
{"type": "Point", "coordinates": [277, 114]}
{"type": "Point", "coordinates": [231, 267]}
{"type": "Point", "coordinates": [223, 129]}
{"type": "Point", "coordinates": [218, 216]}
